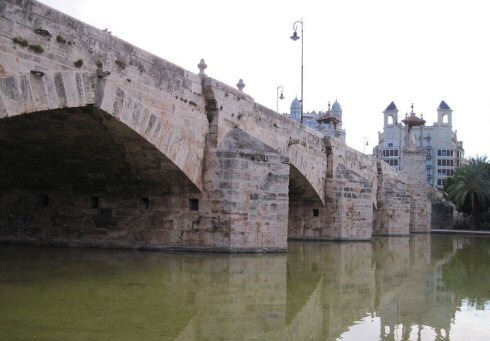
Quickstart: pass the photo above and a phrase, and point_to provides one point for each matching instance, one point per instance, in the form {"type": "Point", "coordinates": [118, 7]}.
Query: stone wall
{"type": "Point", "coordinates": [351, 193]}
{"type": "Point", "coordinates": [107, 220]}
{"type": "Point", "coordinates": [442, 210]}
{"type": "Point", "coordinates": [413, 166]}
{"type": "Point", "coordinates": [246, 193]}
{"type": "Point", "coordinates": [392, 216]}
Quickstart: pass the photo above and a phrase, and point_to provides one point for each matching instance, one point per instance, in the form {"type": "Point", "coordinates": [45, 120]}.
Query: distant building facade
{"type": "Point", "coordinates": [327, 122]}
{"type": "Point", "coordinates": [444, 153]}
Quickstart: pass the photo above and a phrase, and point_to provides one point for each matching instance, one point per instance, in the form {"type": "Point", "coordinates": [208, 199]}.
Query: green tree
{"type": "Point", "coordinates": [469, 189]}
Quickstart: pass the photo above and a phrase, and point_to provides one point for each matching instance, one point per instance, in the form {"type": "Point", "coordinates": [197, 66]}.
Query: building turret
{"type": "Point", "coordinates": [444, 114]}
{"type": "Point", "coordinates": [330, 123]}
{"type": "Point", "coordinates": [296, 109]}
{"type": "Point", "coordinates": [337, 110]}
{"type": "Point", "coordinates": [391, 114]}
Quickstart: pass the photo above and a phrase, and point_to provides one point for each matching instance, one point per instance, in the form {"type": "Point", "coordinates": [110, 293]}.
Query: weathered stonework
{"type": "Point", "coordinates": [442, 210]}
{"type": "Point", "coordinates": [108, 145]}
{"type": "Point", "coordinates": [246, 195]}
{"type": "Point", "coordinates": [420, 208]}
{"type": "Point", "coordinates": [392, 216]}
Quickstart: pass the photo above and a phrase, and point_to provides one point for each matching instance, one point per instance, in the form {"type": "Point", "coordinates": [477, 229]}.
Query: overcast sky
{"type": "Point", "coordinates": [364, 53]}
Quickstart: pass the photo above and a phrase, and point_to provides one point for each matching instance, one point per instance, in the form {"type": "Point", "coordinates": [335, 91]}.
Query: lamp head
{"type": "Point", "coordinates": [282, 96]}
{"type": "Point", "coordinates": [294, 36]}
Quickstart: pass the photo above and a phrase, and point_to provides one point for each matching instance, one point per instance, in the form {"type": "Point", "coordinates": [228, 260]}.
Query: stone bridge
{"type": "Point", "coordinates": [104, 144]}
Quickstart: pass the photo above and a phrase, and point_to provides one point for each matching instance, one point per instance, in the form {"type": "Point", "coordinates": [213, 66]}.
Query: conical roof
{"type": "Point", "coordinates": [444, 106]}
{"type": "Point", "coordinates": [391, 107]}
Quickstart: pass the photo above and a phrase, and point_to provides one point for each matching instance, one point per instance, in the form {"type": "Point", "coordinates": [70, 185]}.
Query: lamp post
{"type": "Point", "coordinates": [365, 143]}
{"type": "Point", "coordinates": [278, 97]}
{"type": "Point", "coordinates": [296, 37]}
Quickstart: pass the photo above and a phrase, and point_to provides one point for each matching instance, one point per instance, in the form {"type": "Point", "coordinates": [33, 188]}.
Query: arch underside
{"type": "Point", "coordinates": [300, 189]}
{"type": "Point", "coordinates": [81, 177]}
{"type": "Point", "coordinates": [305, 207]}
{"type": "Point", "coordinates": [84, 150]}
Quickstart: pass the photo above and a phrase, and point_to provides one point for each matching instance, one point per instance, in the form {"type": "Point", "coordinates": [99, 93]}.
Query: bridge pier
{"type": "Point", "coordinates": [245, 199]}
{"type": "Point", "coordinates": [413, 166]}
{"type": "Point", "coordinates": [392, 216]}
{"type": "Point", "coordinates": [349, 205]}
{"type": "Point", "coordinates": [346, 215]}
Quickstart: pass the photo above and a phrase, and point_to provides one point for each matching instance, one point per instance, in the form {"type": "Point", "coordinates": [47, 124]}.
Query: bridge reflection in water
{"type": "Point", "coordinates": [404, 288]}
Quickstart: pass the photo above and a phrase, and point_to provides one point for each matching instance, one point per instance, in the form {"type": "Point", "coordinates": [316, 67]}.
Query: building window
{"type": "Point", "coordinates": [445, 152]}
{"type": "Point", "coordinates": [390, 152]}
{"type": "Point", "coordinates": [445, 162]}
{"type": "Point", "coordinates": [392, 162]}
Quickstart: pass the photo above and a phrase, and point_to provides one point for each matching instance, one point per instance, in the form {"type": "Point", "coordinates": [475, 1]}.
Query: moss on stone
{"type": "Point", "coordinates": [36, 48]}
{"type": "Point", "coordinates": [20, 41]}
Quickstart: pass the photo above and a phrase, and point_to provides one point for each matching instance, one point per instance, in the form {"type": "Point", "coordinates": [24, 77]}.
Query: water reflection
{"type": "Point", "coordinates": [405, 288]}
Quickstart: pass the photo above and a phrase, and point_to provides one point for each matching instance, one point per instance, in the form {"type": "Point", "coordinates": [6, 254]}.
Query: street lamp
{"type": "Point", "coordinates": [296, 37]}
{"type": "Point", "coordinates": [279, 97]}
{"type": "Point", "coordinates": [366, 143]}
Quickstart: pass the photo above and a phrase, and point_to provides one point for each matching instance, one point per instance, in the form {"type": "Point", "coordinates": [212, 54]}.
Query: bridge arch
{"type": "Point", "coordinates": [86, 163]}
{"type": "Point", "coordinates": [39, 92]}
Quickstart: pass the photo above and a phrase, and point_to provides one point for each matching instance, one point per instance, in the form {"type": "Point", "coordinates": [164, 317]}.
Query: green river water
{"type": "Point", "coordinates": [420, 287]}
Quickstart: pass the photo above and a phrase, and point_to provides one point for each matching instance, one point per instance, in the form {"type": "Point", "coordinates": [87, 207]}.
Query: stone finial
{"type": "Point", "coordinates": [202, 66]}
{"type": "Point", "coordinates": [240, 85]}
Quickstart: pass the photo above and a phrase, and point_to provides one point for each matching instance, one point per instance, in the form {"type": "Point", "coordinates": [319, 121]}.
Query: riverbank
{"type": "Point", "coordinates": [462, 232]}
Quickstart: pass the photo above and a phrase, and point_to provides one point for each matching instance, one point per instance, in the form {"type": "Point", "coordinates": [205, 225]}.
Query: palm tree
{"type": "Point", "coordinates": [469, 188]}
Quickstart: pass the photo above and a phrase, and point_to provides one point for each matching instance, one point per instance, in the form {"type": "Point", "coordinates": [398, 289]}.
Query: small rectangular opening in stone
{"type": "Point", "coordinates": [95, 202]}
{"type": "Point", "coordinates": [316, 212]}
{"type": "Point", "coordinates": [145, 202]}
{"type": "Point", "coordinates": [194, 204]}
{"type": "Point", "coordinates": [44, 200]}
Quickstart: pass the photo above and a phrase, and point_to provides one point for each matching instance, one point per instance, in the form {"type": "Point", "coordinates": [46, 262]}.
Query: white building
{"type": "Point", "coordinates": [444, 152]}
{"type": "Point", "coordinates": [328, 122]}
